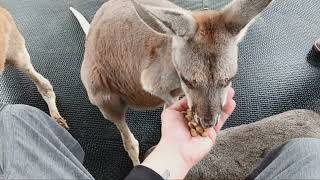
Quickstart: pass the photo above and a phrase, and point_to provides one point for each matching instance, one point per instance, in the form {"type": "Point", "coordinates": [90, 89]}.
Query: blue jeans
{"type": "Point", "coordinates": [33, 146]}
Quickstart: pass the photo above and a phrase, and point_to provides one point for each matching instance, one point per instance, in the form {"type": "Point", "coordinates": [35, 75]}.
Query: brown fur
{"type": "Point", "coordinates": [129, 89]}
{"type": "Point", "coordinates": [6, 22]}
{"type": "Point", "coordinates": [13, 51]}
{"type": "Point", "coordinates": [2, 48]}
{"type": "Point", "coordinates": [210, 25]}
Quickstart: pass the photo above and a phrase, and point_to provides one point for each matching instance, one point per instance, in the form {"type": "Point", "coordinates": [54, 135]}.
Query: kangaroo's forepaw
{"type": "Point", "coordinates": [62, 122]}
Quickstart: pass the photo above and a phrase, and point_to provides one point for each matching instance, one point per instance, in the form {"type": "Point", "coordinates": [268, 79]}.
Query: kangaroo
{"type": "Point", "coordinates": [143, 54]}
{"type": "Point", "coordinates": [13, 51]}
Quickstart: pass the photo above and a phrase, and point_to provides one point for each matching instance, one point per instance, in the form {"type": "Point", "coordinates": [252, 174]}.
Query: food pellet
{"type": "Point", "coordinates": [189, 115]}
{"type": "Point", "coordinates": [199, 129]}
{"type": "Point", "coordinates": [195, 128]}
{"type": "Point", "coordinates": [193, 133]}
{"type": "Point", "coordinates": [190, 125]}
{"type": "Point", "coordinates": [204, 134]}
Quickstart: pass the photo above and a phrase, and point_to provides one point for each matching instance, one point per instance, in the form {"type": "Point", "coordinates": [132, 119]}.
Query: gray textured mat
{"type": "Point", "coordinates": [274, 75]}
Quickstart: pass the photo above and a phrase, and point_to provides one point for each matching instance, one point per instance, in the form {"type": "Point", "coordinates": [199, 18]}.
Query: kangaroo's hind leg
{"type": "Point", "coordinates": [114, 108]}
{"type": "Point", "coordinates": [20, 58]}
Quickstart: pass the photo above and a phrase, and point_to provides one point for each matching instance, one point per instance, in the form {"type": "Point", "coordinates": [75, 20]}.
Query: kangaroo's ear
{"type": "Point", "coordinates": [239, 13]}
{"type": "Point", "coordinates": [167, 21]}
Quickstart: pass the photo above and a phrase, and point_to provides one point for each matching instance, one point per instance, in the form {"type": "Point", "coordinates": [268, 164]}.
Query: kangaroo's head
{"type": "Point", "coordinates": [204, 50]}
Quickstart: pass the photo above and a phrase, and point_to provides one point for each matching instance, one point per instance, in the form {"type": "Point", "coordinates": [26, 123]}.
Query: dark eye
{"type": "Point", "coordinates": [186, 82]}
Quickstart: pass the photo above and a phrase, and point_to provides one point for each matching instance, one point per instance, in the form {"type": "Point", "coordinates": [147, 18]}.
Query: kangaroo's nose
{"type": "Point", "coordinates": [207, 123]}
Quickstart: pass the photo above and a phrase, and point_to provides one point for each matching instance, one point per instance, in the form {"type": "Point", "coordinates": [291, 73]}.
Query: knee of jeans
{"type": "Point", "coordinates": [21, 108]}
{"type": "Point", "coordinates": [304, 145]}
{"type": "Point", "coordinates": [25, 112]}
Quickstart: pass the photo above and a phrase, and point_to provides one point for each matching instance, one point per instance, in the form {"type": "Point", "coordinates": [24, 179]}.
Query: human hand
{"type": "Point", "coordinates": [177, 150]}
{"type": "Point", "coordinates": [176, 134]}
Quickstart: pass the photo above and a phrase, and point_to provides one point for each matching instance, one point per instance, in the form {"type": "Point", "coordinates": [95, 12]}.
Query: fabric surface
{"type": "Point", "coordinates": [297, 159]}
{"type": "Point", "coordinates": [274, 75]}
{"type": "Point", "coordinates": [33, 146]}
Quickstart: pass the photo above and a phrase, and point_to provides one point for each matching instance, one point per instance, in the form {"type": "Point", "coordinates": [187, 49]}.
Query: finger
{"type": "Point", "coordinates": [180, 105]}
{"type": "Point", "coordinates": [230, 95]}
{"type": "Point", "coordinates": [228, 109]}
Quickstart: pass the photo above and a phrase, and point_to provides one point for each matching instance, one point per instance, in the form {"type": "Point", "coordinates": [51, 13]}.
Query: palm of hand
{"type": "Point", "coordinates": [176, 134]}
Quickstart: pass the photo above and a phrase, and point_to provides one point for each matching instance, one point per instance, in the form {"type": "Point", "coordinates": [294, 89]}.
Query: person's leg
{"type": "Point", "coordinates": [297, 159]}
{"type": "Point", "coordinates": [1, 148]}
{"type": "Point", "coordinates": [33, 146]}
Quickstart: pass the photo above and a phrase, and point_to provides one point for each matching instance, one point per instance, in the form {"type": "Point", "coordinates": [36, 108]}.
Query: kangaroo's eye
{"type": "Point", "coordinates": [186, 82]}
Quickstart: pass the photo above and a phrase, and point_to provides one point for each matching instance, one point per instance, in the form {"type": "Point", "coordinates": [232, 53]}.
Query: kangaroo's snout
{"type": "Point", "coordinates": [206, 112]}
{"type": "Point", "coordinates": [207, 106]}
{"type": "Point", "coordinates": [208, 121]}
